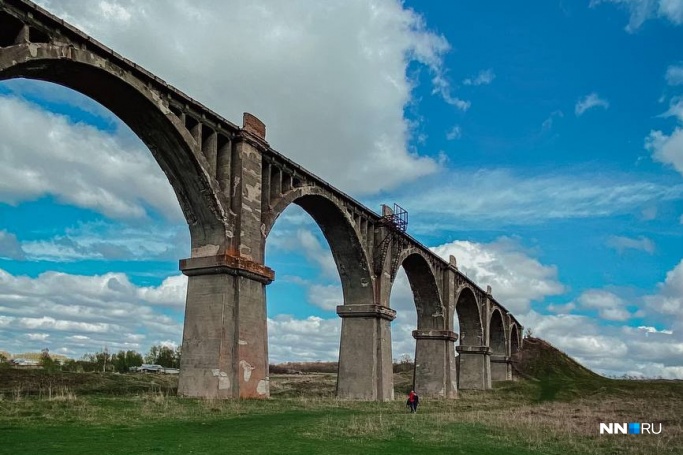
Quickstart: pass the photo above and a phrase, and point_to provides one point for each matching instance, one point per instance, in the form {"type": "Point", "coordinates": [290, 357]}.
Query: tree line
{"type": "Point", "coordinates": [119, 362]}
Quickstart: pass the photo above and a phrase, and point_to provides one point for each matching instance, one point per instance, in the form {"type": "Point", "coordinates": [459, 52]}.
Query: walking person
{"type": "Point", "coordinates": [413, 401]}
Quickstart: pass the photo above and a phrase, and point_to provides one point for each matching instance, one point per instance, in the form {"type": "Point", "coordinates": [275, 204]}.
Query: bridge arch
{"type": "Point", "coordinates": [497, 338]}
{"type": "Point", "coordinates": [468, 312]}
{"type": "Point", "coordinates": [339, 231]}
{"type": "Point", "coordinates": [514, 339]}
{"type": "Point", "coordinates": [144, 112]}
{"type": "Point", "coordinates": [500, 368]}
{"type": "Point", "coordinates": [426, 293]}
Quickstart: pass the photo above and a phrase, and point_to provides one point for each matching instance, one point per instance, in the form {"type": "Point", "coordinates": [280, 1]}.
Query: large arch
{"type": "Point", "coordinates": [497, 338]}
{"type": "Point", "coordinates": [144, 112]}
{"type": "Point", "coordinates": [469, 318]}
{"type": "Point", "coordinates": [434, 371]}
{"type": "Point", "coordinates": [348, 253]}
{"type": "Point", "coordinates": [473, 359]}
{"type": "Point", "coordinates": [514, 339]}
{"type": "Point", "coordinates": [130, 94]}
{"type": "Point", "coordinates": [365, 362]}
{"type": "Point", "coordinates": [498, 346]}
{"type": "Point", "coordinates": [426, 294]}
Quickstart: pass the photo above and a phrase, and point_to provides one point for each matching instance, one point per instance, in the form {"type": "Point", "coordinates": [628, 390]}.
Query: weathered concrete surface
{"type": "Point", "coordinates": [208, 361]}
{"type": "Point", "coordinates": [365, 363]}
{"type": "Point", "coordinates": [500, 361]}
{"type": "Point", "coordinates": [474, 368]}
{"type": "Point", "coordinates": [225, 348]}
{"type": "Point", "coordinates": [435, 363]}
{"type": "Point", "coordinates": [501, 368]}
{"type": "Point", "coordinates": [232, 186]}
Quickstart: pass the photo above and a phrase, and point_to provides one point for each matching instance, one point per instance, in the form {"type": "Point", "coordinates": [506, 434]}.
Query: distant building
{"type": "Point", "coordinates": [25, 363]}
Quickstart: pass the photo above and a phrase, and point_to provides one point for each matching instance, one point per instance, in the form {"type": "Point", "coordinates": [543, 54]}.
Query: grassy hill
{"type": "Point", "coordinates": [539, 359]}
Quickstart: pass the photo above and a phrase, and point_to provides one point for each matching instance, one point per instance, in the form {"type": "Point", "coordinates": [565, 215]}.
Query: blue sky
{"type": "Point", "coordinates": [539, 142]}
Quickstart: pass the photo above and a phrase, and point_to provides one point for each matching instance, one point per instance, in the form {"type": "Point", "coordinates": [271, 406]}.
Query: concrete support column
{"type": "Point", "coordinates": [501, 368]}
{"type": "Point", "coordinates": [225, 338]}
{"type": "Point", "coordinates": [474, 367]}
{"type": "Point", "coordinates": [434, 363]}
{"type": "Point", "coordinates": [365, 363]}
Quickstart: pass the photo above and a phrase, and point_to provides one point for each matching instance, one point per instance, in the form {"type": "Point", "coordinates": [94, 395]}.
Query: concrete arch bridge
{"type": "Point", "coordinates": [232, 186]}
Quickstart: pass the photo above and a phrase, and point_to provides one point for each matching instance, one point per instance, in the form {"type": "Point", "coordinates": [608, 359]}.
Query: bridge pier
{"type": "Point", "coordinates": [435, 370]}
{"type": "Point", "coordinates": [501, 368]}
{"type": "Point", "coordinates": [474, 367]}
{"type": "Point", "coordinates": [225, 338]}
{"type": "Point", "coordinates": [365, 363]}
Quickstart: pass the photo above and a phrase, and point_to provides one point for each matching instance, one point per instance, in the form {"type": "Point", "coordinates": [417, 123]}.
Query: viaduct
{"type": "Point", "coordinates": [232, 186]}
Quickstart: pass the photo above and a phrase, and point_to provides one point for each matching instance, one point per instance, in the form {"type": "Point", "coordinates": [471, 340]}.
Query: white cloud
{"type": "Point", "coordinates": [612, 350]}
{"type": "Point", "coordinates": [10, 247]}
{"type": "Point", "coordinates": [674, 74]}
{"type": "Point", "coordinates": [649, 329]}
{"type": "Point", "coordinates": [622, 244]}
{"type": "Point", "coordinates": [454, 133]}
{"type": "Point", "coordinates": [675, 109]}
{"type": "Point", "coordinates": [112, 241]}
{"type": "Point", "coordinates": [314, 72]}
{"type": "Point", "coordinates": [517, 279]}
{"type": "Point", "coordinates": [84, 313]}
{"type": "Point", "coordinates": [588, 102]}
{"type": "Point", "coordinates": [326, 297]}
{"type": "Point", "coordinates": [610, 306]}
{"type": "Point", "coordinates": [501, 197]}
{"type": "Point", "coordinates": [562, 308]}
{"type": "Point", "coordinates": [46, 154]}
{"type": "Point", "coordinates": [669, 300]}
{"type": "Point", "coordinates": [667, 149]}
{"type": "Point", "coordinates": [307, 340]}
{"type": "Point", "coordinates": [484, 77]}
{"type": "Point", "coordinates": [642, 10]}
{"type": "Point", "coordinates": [314, 247]}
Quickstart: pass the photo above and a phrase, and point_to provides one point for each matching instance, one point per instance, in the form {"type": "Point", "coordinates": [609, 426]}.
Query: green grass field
{"type": "Point", "coordinates": [555, 412]}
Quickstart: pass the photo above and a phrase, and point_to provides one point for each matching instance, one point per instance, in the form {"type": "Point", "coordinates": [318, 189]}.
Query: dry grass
{"type": "Point", "coordinates": [511, 415]}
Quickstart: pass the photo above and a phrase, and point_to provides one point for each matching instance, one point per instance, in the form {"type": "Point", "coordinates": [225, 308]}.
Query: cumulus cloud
{"type": "Point", "coordinates": [517, 279]}
{"type": "Point", "coordinates": [331, 75]}
{"type": "Point", "coordinates": [652, 349]}
{"type": "Point", "coordinates": [484, 77]}
{"type": "Point", "coordinates": [610, 306]}
{"type": "Point", "coordinates": [614, 350]}
{"type": "Point", "coordinates": [77, 314]}
{"type": "Point", "coordinates": [47, 154]}
{"type": "Point", "coordinates": [622, 244]}
{"type": "Point", "coordinates": [307, 340]}
{"type": "Point", "coordinates": [326, 297]}
{"type": "Point", "coordinates": [667, 149]}
{"type": "Point", "coordinates": [588, 102]}
{"type": "Point", "coordinates": [643, 10]}
{"type": "Point", "coordinates": [674, 74]}
{"type": "Point", "coordinates": [669, 300]}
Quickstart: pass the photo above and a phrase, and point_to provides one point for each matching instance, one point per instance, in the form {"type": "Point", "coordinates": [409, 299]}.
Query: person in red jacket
{"type": "Point", "coordinates": [413, 401]}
